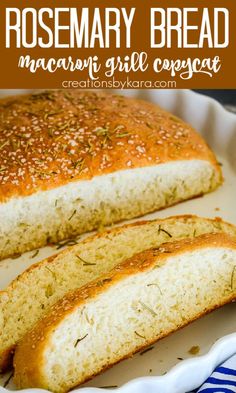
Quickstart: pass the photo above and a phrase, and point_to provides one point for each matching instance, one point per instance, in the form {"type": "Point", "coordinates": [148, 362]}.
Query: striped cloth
{"type": "Point", "coordinates": [223, 379]}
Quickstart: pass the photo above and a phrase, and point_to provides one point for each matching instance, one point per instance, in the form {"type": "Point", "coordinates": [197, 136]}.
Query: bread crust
{"type": "Point", "coordinates": [22, 279]}
{"type": "Point", "coordinates": [29, 355]}
{"type": "Point", "coordinates": [52, 138]}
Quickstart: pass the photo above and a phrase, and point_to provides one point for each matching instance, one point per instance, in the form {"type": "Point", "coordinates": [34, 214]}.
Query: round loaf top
{"type": "Point", "coordinates": [55, 137]}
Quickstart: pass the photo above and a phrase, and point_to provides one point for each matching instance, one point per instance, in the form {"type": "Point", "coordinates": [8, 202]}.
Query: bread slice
{"type": "Point", "coordinates": [140, 301]}
{"type": "Point", "coordinates": [72, 161]}
{"type": "Point", "coordinates": [28, 297]}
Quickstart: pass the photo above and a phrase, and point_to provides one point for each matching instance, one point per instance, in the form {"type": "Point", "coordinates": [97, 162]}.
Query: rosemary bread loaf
{"type": "Point", "coordinates": [28, 297]}
{"type": "Point", "coordinates": [72, 161]}
{"type": "Point", "coordinates": [140, 301]}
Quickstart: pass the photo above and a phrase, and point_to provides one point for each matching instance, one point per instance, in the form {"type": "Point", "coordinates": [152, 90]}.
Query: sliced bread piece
{"type": "Point", "coordinates": [27, 298]}
{"type": "Point", "coordinates": [140, 301]}
{"type": "Point", "coordinates": [71, 161]}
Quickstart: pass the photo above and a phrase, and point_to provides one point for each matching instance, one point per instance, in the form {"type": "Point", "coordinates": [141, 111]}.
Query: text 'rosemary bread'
{"type": "Point", "coordinates": [72, 161]}
{"type": "Point", "coordinates": [147, 297]}
{"type": "Point", "coordinates": [28, 297]}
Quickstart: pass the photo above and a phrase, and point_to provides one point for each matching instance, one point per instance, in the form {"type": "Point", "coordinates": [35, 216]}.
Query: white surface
{"type": "Point", "coordinates": [219, 129]}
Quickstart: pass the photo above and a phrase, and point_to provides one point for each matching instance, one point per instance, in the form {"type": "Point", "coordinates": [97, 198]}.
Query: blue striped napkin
{"type": "Point", "coordinates": [223, 379]}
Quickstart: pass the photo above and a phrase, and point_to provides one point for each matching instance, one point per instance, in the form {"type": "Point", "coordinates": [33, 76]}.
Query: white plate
{"type": "Point", "coordinates": [219, 129]}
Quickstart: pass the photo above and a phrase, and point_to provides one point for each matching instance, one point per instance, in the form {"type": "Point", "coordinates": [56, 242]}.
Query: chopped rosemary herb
{"type": "Point", "coordinates": [85, 263]}
{"type": "Point", "coordinates": [6, 383]}
{"type": "Point", "coordinates": [105, 133]}
{"type": "Point", "coordinates": [48, 114]}
{"type": "Point", "coordinates": [78, 163]}
{"type": "Point", "coordinates": [148, 125]}
{"type": "Point", "coordinates": [27, 146]}
{"type": "Point", "coordinates": [4, 144]}
{"type": "Point", "coordinates": [180, 358]}
{"type": "Point", "coordinates": [35, 254]}
{"type": "Point", "coordinates": [66, 125]}
{"type": "Point", "coordinates": [139, 335]}
{"type": "Point", "coordinates": [160, 229]}
{"type": "Point", "coordinates": [119, 127]}
{"type": "Point", "coordinates": [52, 273]}
{"type": "Point", "coordinates": [69, 242]}
{"type": "Point", "coordinates": [90, 146]}
{"type": "Point", "coordinates": [72, 215]}
{"type": "Point", "coordinates": [24, 224]}
{"type": "Point", "coordinates": [49, 291]}
{"type": "Point", "coordinates": [50, 132]}
{"type": "Point", "coordinates": [108, 387]}
{"type": "Point", "coordinates": [122, 135]}
{"type": "Point", "coordinates": [80, 339]}
{"type": "Point", "coordinates": [69, 97]}
{"type": "Point", "coordinates": [60, 137]}
{"type": "Point", "coordinates": [232, 277]}
{"type": "Point", "coordinates": [15, 144]}
{"type": "Point", "coordinates": [146, 350]}
{"type": "Point", "coordinates": [101, 131]}
{"type": "Point", "coordinates": [194, 350]}
{"type": "Point", "coordinates": [155, 285]}
{"type": "Point", "coordinates": [47, 95]}
{"type": "Point", "coordinates": [154, 314]}
{"type": "Point", "coordinates": [24, 136]}
{"type": "Point", "coordinates": [175, 119]}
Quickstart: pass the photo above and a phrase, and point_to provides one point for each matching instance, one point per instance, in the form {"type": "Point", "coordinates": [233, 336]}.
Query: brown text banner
{"type": "Point", "coordinates": [119, 44]}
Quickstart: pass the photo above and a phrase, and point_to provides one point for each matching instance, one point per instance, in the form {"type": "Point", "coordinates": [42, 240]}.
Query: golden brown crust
{"type": "Point", "coordinates": [53, 138]}
{"type": "Point", "coordinates": [29, 353]}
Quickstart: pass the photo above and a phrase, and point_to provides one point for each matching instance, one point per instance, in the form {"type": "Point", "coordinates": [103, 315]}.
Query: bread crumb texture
{"type": "Point", "coordinates": [96, 326]}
